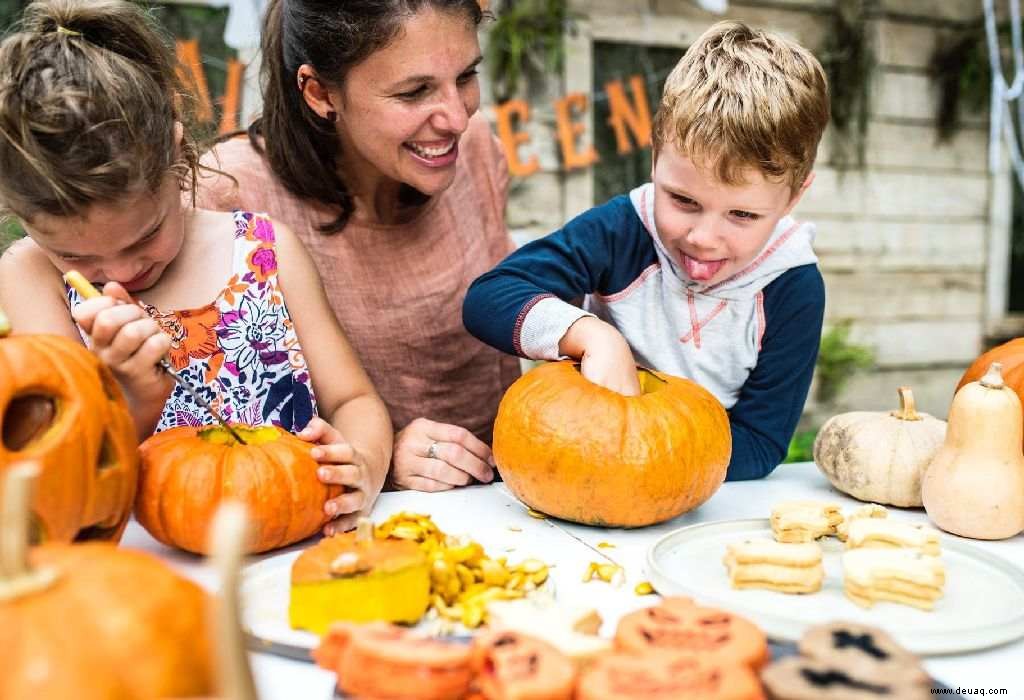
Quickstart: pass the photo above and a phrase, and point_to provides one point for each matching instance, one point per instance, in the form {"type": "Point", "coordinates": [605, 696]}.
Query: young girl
{"type": "Point", "coordinates": [94, 161]}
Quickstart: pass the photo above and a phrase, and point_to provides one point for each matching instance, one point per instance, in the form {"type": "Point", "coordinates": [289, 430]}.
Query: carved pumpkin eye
{"type": "Point", "coordinates": [27, 419]}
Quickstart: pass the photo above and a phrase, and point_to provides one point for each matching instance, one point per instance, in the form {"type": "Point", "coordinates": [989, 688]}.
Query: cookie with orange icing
{"type": "Point", "coordinates": [662, 676]}
{"type": "Point", "coordinates": [385, 661]}
{"type": "Point", "coordinates": [678, 625]}
{"type": "Point", "coordinates": [509, 665]}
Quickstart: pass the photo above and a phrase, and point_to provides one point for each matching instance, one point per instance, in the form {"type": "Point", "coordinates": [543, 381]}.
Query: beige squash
{"type": "Point", "coordinates": [879, 456]}
{"type": "Point", "coordinates": [974, 486]}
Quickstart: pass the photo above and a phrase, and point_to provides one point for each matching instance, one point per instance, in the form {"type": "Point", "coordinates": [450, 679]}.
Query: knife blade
{"type": "Point", "coordinates": [85, 288]}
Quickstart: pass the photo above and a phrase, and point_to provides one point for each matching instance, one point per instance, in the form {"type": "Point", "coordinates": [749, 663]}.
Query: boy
{"type": "Point", "coordinates": [700, 273]}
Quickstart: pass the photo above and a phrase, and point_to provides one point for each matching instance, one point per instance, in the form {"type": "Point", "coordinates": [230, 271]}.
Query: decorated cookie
{"type": "Point", "coordinates": [801, 678]}
{"type": "Point", "coordinates": [385, 661]}
{"type": "Point", "coordinates": [622, 676]}
{"type": "Point", "coordinates": [775, 566]}
{"type": "Point", "coordinates": [572, 629]}
{"type": "Point", "coordinates": [863, 651]}
{"type": "Point", "coordinates": [903, 576]}
{"type": "Point", "coordinates": [677, 625]}
{"type": "Point", "coordinates": [872, 532]}
{"type": "Point", "coordinates": [868, 510]}
{"type": "Point", "coordinates": [512, 666]}
{"type": "Point", "coordinates": [804, 521]}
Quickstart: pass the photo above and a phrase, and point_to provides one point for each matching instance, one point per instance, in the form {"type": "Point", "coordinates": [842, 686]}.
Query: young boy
{"type": "Point", "coordinates": [700, 273]}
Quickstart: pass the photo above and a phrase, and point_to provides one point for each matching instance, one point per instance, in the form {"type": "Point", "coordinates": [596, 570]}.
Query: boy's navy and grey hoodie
{"type": "Point", "coordinates": [751, 340]}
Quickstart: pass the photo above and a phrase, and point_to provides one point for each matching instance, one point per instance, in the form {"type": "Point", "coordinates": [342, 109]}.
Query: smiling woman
{"type": "Point", "coordinates": [370, 147]}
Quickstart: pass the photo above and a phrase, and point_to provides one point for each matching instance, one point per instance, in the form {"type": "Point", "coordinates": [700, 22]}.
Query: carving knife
{"type": "Point", "coordinates": [88, 291]}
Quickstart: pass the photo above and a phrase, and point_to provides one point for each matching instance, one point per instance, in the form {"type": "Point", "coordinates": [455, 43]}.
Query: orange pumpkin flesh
{"type": "Point", "coordinates": [188, 471]}
{"type": "Point", "coordinates": [61, 408]}
{"type": "Point", "coordinates": [580, 452]}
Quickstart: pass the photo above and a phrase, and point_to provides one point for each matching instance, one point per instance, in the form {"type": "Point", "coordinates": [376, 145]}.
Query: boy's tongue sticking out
{"type": "Point", "coordinates": [701, 270]}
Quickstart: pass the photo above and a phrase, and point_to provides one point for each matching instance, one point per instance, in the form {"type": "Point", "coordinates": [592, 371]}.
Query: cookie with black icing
{"type": "Point", "coordinates": [863, 652]}
{"type": "Point", "coordinates": [802, 678]}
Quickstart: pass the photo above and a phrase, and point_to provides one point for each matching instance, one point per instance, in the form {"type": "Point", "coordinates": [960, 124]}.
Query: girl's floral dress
{"type": "Point", "coordinates": [240, 352]}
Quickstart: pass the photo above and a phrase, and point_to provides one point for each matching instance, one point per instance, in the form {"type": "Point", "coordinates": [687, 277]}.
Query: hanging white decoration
{"type": "Point", "coordinates": [1002, 124]}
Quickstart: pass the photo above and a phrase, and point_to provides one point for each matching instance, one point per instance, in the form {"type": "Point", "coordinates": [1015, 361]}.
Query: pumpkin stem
{"type": "Point", "coordinates": [228, 538]}
{"type": "Point", "coordinates": [5, 325]}
{"type": "Point", "coordinates": [17, 577]}
{"type": "Point", "coordinates": [907, 409]}
{"type": "Point", "coordinates": [993, 378]}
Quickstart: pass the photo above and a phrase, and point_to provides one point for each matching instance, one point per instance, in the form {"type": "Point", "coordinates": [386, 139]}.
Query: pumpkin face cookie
{"type": "Point", "coordinates": [804, 521]}
{"type": "Point", "coordinates": [513, 666]}
{"type": "Point", "coordinates": [865, 652]}
{"type": "Point", "coordinates": [623, 676]}
{"type": "Point", "coordinates": [775, 566]}
{"type": "Point", "coordinates": [800, 678]}
{"type": "Point", "coordinates": [680, 626]}
{"type": "Point", "coordinates": [384, 661]}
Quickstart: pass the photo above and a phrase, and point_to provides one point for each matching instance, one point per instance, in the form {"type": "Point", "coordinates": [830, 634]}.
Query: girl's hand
{"type": "Point", "coordinates": [128, 341]}
{"type": "Point", "coordinates": [344, 465]}
{"type": "Point", "coordinates": [431, 456]}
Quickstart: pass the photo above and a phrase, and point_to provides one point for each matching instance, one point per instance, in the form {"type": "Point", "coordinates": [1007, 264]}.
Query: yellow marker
{"type": "Point", "coordinates": [81, 285]}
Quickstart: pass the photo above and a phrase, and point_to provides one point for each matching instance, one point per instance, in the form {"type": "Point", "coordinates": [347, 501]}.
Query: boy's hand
{"type": "Point", "coordinates": [432, 456]}
{"type": "Point", "coordinates": [344, 465]}
{"type": "Point", "coordinates": [127, 340]}
{"type": "Point", "coordinates": [605, 357]}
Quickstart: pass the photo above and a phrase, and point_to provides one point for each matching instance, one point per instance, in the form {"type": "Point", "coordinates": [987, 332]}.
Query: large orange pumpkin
{"type": "Point", "coordinates": [61, 408]}
{"type": "Point", "coordinates": [188, 471]}
{"type": "Point", "coordinates": [578, 451]}
{"type": "Point", "coordinates": [91, 621]}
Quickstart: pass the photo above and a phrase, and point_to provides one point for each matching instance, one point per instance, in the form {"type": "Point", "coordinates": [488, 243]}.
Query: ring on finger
{"type": "Point", "coordinates": [432, 450]}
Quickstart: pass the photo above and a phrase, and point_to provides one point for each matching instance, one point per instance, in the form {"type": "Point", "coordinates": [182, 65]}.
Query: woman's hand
{"type": "Point", "coordinates": [604, 354]}
{"type": "Point", "coordinates": [342, 464]}
{"type": "Point", "coordinates": [128, 341]}
{"type": "Point", "coordinates": [432, 456]}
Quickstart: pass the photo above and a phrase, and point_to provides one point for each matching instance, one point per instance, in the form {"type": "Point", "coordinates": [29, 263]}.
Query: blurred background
{"type": "Point", "coordinates": [920, 237]}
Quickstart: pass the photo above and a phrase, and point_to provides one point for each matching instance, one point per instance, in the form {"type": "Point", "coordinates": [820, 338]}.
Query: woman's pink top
{"type": "Point", "coordinates": [398, 289]}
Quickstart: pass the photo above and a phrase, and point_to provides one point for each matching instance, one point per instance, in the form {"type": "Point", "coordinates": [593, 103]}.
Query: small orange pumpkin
{"type": "Point", "coordinates": [91, 621]}
{"type": "Point", "coordinates": [572, 449]}
{"type": "Point", "coordinates": [188, 471]}
{"type": "Point", "coordinates": [61, 408]}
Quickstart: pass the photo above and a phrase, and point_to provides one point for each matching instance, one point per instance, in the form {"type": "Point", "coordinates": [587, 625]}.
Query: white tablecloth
{"type": "Point", "coordinates": [491, 516]}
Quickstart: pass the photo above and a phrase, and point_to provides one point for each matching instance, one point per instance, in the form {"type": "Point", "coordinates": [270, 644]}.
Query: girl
{"type": "Point", "coordinates": [94, 158]}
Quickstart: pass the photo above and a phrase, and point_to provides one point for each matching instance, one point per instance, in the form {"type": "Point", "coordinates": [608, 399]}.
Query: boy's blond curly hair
{"type": "Point", "coordinates": [742, 98]}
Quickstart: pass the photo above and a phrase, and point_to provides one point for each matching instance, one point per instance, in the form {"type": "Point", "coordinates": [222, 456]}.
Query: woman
{"type": "Point", "coordinates": [369, 149]}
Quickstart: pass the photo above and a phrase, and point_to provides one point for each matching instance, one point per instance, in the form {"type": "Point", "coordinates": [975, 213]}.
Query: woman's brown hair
{"type": "Point", "coordinates": [332, 37]}
{"type": "Point", "coordinates": [89, 98]}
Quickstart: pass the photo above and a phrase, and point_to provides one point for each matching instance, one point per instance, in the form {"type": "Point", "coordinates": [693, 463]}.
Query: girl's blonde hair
{"type": "Point", "coordinates": [742, 98]}
{"type": "Point", "coordinates": [89, 98]}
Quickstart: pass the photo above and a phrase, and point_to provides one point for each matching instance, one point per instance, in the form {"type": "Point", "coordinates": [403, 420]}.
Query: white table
{"type": "Point", "coordinates": [491, 516]}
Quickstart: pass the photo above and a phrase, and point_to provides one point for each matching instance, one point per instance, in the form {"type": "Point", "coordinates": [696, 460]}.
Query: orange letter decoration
{"type": "Point", "coordinates": [574, 102]}
{"type": "Point", "coordinates": [636, 116]}
{"type": "Point", "coordinates": [231, 103]}
{"type": "Point", "coordinates": [505, 114]}
{"type": "Point", "coordinates": [190, 71]}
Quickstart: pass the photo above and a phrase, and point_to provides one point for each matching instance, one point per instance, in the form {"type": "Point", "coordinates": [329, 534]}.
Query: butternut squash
{"type": "Point", "coordinates": [974, 486]}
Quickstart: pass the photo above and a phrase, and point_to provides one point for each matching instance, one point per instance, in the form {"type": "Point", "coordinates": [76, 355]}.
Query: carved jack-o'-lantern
{"type": "Point", "coordinates": [61, 408]}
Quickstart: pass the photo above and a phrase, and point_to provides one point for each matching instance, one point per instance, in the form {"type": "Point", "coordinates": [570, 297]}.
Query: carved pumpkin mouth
{"type": "Point", "coordinates": [26, 420]}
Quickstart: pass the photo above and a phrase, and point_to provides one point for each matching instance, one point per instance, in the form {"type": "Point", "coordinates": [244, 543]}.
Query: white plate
{"type": "Point", "coordinates": [982, 605]}
{"type": "Point", "coordinates": [265, 593]}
